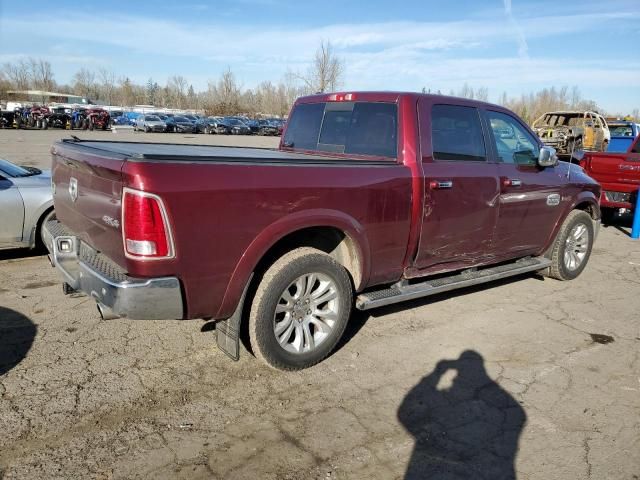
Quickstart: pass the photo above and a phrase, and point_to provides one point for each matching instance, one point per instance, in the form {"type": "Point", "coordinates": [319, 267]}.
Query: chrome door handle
{"type": "Point", "coordinates": [437, 184]}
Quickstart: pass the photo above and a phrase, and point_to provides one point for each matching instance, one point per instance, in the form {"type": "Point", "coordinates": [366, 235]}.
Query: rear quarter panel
{"type": "Point", "coordinates": [225, 216]}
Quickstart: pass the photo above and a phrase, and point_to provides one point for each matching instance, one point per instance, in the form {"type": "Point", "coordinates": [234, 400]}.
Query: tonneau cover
{"type": "Point", "coordinates": [138, 151]}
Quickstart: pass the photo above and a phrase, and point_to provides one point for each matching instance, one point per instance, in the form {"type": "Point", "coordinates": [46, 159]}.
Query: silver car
{"type": "Point", "coordinates": [150, 123]}
{"type": "Point", "coordinates": [25, 204]}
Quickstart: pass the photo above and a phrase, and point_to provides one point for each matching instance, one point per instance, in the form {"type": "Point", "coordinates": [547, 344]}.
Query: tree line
{"type": "Point", "coordinates": [226, 94]}
{"type": "Point", "coordinates": [223, 96]}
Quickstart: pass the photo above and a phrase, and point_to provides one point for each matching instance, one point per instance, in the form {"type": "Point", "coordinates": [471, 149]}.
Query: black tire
{"type": "Point", "coordinates": [275, 282]}
{"type": "Point", "coordinates": [147, 130]}
{"type": "Point", "coordinates": [48, 215]}
{"type": "Point", "coordinates": [559, 268]}
{"type": "Point", "coordinates": [91, 125]}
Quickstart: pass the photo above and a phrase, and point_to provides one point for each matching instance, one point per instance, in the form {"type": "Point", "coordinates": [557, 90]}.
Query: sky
{"type": "Point", "coordinates": [512, 46]}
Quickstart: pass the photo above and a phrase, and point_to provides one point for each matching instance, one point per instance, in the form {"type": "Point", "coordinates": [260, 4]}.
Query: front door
{"type": "Point", "coordinates": [12, 213]}
{"type": "Point", "coordinates": [461, 188]}
{"type": "Point", "coordinates": [530, 196]}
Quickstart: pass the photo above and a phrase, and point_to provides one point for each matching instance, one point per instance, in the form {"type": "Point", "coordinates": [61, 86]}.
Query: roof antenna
{"type": "Point", "coordinates": [573, 149]}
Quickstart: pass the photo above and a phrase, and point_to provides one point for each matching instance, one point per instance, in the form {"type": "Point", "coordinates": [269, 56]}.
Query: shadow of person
{"type": "Point", "coordinates": [17, 333]}
{"type": "Point", "coordinates": [469, 430]}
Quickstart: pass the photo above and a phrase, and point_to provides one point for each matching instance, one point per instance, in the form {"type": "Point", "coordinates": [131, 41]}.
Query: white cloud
{"type": "Point", "coordinates": [381, 55]}
{"type": "Point", "coordinates": [523, 46]}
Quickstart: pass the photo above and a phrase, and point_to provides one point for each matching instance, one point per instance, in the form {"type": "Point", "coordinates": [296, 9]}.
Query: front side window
{"type": "Point", "coordinates": [358, 128]}
{"type": "Point", "coordinates": [456, 134]}
{"type": "Point", "coordinates": [513, 143]}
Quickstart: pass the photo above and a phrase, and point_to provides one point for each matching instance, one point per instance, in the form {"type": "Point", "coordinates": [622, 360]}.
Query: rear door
{"type": "Point", "coordinates": [461, 188]}
{"type": "Point", "coordinates": [530, 196]}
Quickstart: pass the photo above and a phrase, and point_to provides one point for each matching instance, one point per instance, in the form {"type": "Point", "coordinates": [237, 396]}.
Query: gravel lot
{"type": "Point", "coordinates": [531, 375]}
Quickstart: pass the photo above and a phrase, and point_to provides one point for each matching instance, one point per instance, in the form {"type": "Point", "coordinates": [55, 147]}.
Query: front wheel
{"type": "Point", "coordinates": [571, 249]}
{"type": "Point", "coordinates": [300, 310]}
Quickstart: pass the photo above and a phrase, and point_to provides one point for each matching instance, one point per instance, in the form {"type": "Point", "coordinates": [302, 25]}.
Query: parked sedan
{"type": "Point", "coordinates": [233, 126]}
{"type": "Point", "coordinates": [182, 124]}
{"type": "Point", "coordinates": [25, 204]}
{"type": "Point", "coordinates": [267, 127]}
{"type": "Point", "coordinates": [211, 124]}
{"type": "Point", "coordinates": [150, 123]}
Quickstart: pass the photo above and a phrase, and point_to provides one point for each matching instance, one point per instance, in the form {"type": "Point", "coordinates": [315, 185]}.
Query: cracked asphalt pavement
{"type": "Point", "coordinates": [529, 378]}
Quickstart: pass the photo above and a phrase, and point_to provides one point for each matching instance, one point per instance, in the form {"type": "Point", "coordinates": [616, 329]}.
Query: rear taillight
{"type": "Point", "coordinates": [146, 231]}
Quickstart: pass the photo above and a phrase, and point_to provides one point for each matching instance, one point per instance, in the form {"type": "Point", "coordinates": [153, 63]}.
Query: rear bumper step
{"type": "Point", "coordinates": [467, 278]}
{"type": "Point", "coordinates": [117, 294]}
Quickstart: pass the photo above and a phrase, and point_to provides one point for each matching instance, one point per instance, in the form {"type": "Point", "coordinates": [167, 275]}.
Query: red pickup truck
{"type": "Point", "coordinates": [371, 199]}
{"type": "Point", "coordinates": [619, 175]}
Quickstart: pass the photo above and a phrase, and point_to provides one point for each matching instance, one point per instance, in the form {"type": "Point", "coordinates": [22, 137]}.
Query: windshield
{"type": "Point", "coordinates": [235, 121]}
{"type": "Point", "coordinates": [181, 119]}
{"type": "Point", "coordinates": [621, 130]}
{"type": "Point", "coordinates": [152, 118]}
{"type": "Point", "coordinates": [9, 169]}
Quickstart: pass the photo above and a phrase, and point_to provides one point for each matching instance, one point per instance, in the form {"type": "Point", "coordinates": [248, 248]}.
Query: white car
{"type": "Point", "coordinates": [150, 123]}
{"type": "Point", "coordinates": [26, 204]}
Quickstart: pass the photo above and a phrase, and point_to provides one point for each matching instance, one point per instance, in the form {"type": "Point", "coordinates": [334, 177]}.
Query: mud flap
{"type": "Point", "coordinates": [228, 331]}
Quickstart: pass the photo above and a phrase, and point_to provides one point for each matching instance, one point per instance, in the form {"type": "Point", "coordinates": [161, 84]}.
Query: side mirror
{"type": "Point", "coordinates": [547, 157]}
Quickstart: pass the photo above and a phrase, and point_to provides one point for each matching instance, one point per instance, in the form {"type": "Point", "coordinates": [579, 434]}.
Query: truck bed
{"type": "Point", "coordinates": [226, 202]}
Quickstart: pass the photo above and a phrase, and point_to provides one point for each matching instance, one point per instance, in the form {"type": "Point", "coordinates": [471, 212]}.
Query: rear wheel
{"type": "Point", "coordinates": [572, 247]}
{"type": "Point", "coordinates": [300, 310]}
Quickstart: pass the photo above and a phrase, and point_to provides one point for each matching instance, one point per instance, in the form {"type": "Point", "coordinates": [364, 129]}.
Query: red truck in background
{"type": "Point", "coordinates": [373, 198]}
{"type": "Point", "coordinates": [619, 175]}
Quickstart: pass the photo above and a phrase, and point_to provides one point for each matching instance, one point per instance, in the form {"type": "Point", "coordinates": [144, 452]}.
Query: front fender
{"type": "Point", "coordinates": [583, 198]}
{"type": "Point", "coordinates": [280, 229]}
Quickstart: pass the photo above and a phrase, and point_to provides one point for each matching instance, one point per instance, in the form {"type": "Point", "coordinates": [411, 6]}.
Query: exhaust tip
{"type": "Point", "coordinates": [106, 313]}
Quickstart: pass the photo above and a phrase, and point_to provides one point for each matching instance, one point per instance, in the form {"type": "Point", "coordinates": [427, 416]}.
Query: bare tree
{"type": "Point", "coordinates": [18, 74]}
{"type": "Point", "coordinates": [177, 86]}
{"type": "Point", "coordinates": [41, 74]}
{"type": "Point", "coordinates": [107, 84]}
{"type": "Point", "coordinates": [326, 73]}
{"type": "Point", "coordinates": [84, 83]}
{"type": "Point", "coordinates": [482, 94]}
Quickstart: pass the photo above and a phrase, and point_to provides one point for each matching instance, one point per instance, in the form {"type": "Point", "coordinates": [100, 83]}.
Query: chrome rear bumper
{"type": "Point", "coordinates": [97, 276]}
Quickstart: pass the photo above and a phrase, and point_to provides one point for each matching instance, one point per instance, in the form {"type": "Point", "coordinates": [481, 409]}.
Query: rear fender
{"type": "Point", "coordinates": [279, 230]}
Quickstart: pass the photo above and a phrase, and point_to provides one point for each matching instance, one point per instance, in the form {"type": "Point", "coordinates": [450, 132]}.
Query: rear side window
{"type": "Point", "coordinates": [456, 133]}
{"type": "Point", "coordinates": [359, 128]}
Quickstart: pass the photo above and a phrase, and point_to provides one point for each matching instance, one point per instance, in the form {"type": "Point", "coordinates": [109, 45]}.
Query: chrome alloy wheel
{"type": "Point", "coordinates": [576, 247]}
{"type": "Point", "coordinates": [306, 313]}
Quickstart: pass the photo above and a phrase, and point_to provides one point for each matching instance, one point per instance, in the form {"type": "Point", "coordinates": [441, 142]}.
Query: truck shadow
{"type": "Point", "coordinates": [17, 253]}
{"type": "Point", "coordinates": [464, 424]}
{"type": "Point", "coordinates": [17, 334]}
{"type": "Point", "coordinates": [623, 223]}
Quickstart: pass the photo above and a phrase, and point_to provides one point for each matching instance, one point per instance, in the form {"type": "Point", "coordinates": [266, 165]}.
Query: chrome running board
{"type": "Point", "coordinates": [466, 278]}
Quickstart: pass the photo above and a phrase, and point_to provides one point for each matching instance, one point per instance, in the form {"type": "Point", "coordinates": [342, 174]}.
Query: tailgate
{"type": "Point", "coordinates": [613, 168]}
{"type": "Point", "coordinates": [87, 195]}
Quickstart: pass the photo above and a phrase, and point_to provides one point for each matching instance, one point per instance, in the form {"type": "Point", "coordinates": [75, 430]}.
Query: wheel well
{"type": "Point", "coordinates": [590, 208]}
{"type": "Point", "coordinates": [330, 240]}
{"type": "Point", "coordinates": [36, 240]}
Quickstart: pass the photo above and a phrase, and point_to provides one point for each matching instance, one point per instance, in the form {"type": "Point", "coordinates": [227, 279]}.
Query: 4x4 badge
{"type": "Point", "coordinates": [73, 189]}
